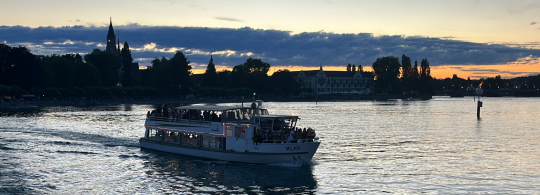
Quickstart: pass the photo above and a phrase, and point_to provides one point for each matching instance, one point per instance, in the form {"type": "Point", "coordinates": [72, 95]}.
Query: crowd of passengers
{"type": "Point", "coordinates": [296, 135]}
{"type": "Point", "coordinates": [163, 111]}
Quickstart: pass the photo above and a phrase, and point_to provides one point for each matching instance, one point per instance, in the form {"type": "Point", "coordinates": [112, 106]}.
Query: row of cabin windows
{"type": "Point", "coordinates": [186, 139]}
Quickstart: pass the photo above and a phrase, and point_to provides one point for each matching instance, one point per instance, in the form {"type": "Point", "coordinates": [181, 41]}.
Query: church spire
{"type": "Point", "coordinates": [111, 39]}
{"type": "Point", "coordinates": [111, 30]}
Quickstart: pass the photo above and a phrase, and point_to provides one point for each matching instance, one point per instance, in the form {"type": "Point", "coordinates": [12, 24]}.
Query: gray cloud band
{"type": "Point", "coordinates": [280, 48]}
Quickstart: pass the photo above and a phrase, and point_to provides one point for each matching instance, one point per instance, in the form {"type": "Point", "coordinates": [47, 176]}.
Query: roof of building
{"type": "Point", "coordinates": [312, 73]}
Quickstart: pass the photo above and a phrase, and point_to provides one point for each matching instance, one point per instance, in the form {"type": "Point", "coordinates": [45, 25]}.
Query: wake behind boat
{"type": "Point", "coordinates": [236, 134]}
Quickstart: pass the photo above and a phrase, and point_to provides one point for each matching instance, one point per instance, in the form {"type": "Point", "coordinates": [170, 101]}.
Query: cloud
{"type": "Point", "coordinates": [228, 19]}
{"type": "Point", "coordinates": [231, 47]}
{"type": "Point", "coordinates": [533, 23]}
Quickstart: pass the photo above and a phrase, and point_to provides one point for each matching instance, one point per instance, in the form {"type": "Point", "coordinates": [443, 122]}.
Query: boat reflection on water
{"type": "Point", "coordinates": [169, 173]}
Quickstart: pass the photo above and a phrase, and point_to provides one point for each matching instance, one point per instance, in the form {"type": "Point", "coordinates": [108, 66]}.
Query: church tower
{"type": "Point", "coordinates": [111, 40]}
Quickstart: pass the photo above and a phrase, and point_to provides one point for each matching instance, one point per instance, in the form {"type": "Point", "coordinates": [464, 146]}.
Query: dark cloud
{"type": "Point", "coordinates": [228, 19]}
{"type": "Point", "coordinates": [533, 23]}
{"type": "Point", "coordinates": [231, 47]}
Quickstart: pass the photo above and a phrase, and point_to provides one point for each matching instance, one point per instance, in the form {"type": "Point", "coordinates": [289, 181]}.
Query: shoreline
{"type": "Point", "coordinates": [178, 102]}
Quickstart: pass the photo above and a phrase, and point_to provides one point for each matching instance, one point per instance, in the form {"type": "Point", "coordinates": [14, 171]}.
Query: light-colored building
{"type": "Point", "coordinates": [336, 82]}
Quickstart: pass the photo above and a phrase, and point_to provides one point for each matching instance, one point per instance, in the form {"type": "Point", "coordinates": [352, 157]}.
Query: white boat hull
{"type": "Point", "coordinates": [287, 152]}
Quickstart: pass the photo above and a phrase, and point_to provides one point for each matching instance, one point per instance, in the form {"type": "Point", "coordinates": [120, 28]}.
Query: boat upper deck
{"type": "Point", "coordinates": [204, 115]}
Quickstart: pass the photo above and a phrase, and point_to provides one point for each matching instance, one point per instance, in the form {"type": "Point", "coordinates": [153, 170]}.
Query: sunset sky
{"type": "Point", "coordinates": [468, 38]}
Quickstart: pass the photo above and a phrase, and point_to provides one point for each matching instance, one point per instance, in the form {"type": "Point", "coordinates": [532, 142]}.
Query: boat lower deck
{"type": "Point", "coordinates": [281, 152]}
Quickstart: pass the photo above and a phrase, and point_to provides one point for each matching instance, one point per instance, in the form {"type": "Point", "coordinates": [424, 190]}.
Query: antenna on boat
{"type": "Point", "coordinates": [259, 105]}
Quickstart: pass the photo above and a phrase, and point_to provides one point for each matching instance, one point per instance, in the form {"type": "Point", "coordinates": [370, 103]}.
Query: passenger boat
{"type": "Point", "coordinates": [235, 134]}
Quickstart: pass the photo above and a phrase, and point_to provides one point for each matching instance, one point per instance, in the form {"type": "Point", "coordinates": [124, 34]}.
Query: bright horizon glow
{"type": "Point", "coordinates": [475, 72]}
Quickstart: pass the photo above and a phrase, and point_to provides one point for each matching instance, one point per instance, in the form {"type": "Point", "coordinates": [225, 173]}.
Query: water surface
{"type": "Point", "coordinates": [434, 146]}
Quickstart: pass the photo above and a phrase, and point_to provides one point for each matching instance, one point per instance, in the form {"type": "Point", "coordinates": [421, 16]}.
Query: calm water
{"type": "Point", "coordinates": [398, 147]}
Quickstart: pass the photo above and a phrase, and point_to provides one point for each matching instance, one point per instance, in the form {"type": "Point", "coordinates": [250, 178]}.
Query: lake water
{"type": "Point", "coordinates": [435, 146]}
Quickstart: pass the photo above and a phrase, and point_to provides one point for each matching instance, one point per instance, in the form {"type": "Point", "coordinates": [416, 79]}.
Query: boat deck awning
{"type": "Point", "coordinates": [211, 108]}
{"type": "Point", "coordinates": [275, 116]}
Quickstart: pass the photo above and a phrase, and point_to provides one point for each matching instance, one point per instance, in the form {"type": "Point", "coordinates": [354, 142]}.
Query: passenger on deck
{"type": "Point", "coordinates": [214, 116]}
{"type": "Point", "coordinates": [158, 110]}
{"type": "Point", "coordinates": [291, 137]}
{"type": "Point", "coordinates": [311, 135]}
{"type": "Point", "coordinates": [206, 115]}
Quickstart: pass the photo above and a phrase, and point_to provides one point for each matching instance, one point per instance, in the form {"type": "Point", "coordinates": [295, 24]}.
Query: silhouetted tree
{"type": "Point", "coordinates": [425, 70]}
{"type": "Point", "coordinates": [360, 69]}
{"type": "Point", "coordinates": [126, 62]}
{"type": "Point", "coordinates": [493, 83]}
{"type": "Point", "coordinates": [62, 69]}
{"type": "Point", "coordinates": [107, 65]}
{"type": "Point", "coordinates": [159, 62]}
{"type": "Point", "coordinates": [415, 74]}
{"type": "Point", "coordinates": [387, 71]}
{"type": "Point", "coordinates": [285, 82]}
{"type": "Point", "coordinates": [348, 67]}
{"type": "Point", "coordinates": [353, 68]}
{"type": "Point", "coordinates": [85, 75]}
{"type": "Point", "coordinates": [19, 67]}
{"type": "Point", "coordinates": [251, 74]}
{"type": "Point", "coordinates": [180, 71]}
{"type": "Point", "coordinates": [224, 78]}
{"type": "Point", "coordinates": [426, 83]}
{"type": "Point", "coordinates": [210, 75]}
{"type": "Point", "coordinates": [406, 69]}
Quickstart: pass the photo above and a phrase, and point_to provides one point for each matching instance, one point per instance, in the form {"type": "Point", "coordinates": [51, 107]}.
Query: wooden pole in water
{"type": "Point", "coordinates": [478, 109]}
{"type": "Point", "coordinates": [479, 92]}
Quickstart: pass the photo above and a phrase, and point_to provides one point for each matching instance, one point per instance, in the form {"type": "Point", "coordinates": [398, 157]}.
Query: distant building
{"type": "Point", "coordinates": [335, 82]}
{"type": "Point", "coordinates": [114, 48]}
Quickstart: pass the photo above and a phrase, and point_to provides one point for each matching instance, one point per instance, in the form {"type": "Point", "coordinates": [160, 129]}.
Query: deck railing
{"type": "Point", "coordinates": [178, 120]}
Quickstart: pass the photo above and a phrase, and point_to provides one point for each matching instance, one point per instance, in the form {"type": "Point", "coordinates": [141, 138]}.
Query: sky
{"type": "Point", "coordinates": [470, 38]}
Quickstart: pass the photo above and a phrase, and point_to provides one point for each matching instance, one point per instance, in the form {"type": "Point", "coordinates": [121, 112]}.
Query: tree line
{"type": "Point", "coordinates": [395, 77]}
{"type": "Point", "coordinates": [97, 75]}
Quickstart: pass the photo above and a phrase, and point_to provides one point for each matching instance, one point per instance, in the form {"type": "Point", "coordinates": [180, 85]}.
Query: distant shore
{"type": "Point", "coordinates": [178, 102]}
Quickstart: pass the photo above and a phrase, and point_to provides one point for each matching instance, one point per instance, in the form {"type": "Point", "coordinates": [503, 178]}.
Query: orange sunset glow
{"type": "Point", "coordinates": [439, 72]}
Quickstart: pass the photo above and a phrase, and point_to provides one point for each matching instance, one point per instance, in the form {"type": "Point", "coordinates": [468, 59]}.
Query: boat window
{"type": "Point", "coordinates": [155, 134]}
{"type": "Point", "coordinates": [190, 139]}
{"type": "Point", "coordinates": [206, 141]}
{"type": "Point", "coordinates": [211, 142]}
{"type": "Point", "coordinates": [170, 136]}
{"type": "Point", "coordinates": [240, 132]}
{"type": "Point", "coordinates": [229, 131]}
{"type": "Point", "coordinates": [278, 124]}
{"type": "Point", "coordinates": [289, 123]}
{"type": "Point", "coordinates": [266, 124]}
